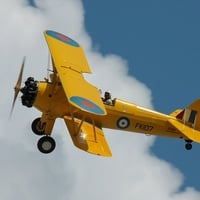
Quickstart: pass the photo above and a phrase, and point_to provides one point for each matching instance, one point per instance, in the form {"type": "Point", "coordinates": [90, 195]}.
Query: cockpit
{"type": "Point", "coordinates": [107, 99]}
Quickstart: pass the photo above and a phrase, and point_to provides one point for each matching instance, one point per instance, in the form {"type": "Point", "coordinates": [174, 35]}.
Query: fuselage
{"type": "Point", "coordinates": [121, 115]}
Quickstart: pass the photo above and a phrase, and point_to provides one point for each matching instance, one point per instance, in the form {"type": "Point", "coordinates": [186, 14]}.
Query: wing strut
{"type": "Point", "coordinates": [94, 130]}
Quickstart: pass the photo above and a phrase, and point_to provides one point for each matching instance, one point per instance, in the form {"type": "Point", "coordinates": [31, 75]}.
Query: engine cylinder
{"type": "Point", "coordinates": [29, 92]}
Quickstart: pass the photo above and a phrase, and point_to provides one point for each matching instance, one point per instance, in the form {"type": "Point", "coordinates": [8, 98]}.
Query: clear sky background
{"type": "Point", "coordinates": [146, 52]}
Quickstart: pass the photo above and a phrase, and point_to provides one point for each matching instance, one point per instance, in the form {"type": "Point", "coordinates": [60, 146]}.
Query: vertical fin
{"type": "Point", "coordinates": [190, 115]}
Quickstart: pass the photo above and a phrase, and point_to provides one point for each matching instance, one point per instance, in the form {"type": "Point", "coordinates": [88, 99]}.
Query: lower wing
{"type": "Point", "coordinates": [87, 136]}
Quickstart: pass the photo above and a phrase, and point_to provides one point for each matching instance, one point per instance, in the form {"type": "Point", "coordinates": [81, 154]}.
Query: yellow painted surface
{"type": "Point", "coordinates": [87, 137]}
{"type": "Point", "coordinates": [67, 55]}
{"type": "Point", "coordinates": [85, 127]}
{"type": "Point", "coordinates": [51, 101]}
{"type": "Point", "coordinates": [196, 106]}
{"type": "Point", "coordinates": [70, 63]}
{"type": "Point", "coordinates": [191, 133]}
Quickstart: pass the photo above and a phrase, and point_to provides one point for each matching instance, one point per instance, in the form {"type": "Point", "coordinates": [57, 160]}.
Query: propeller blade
{"type": "Point", "coordinates": [18, 85]}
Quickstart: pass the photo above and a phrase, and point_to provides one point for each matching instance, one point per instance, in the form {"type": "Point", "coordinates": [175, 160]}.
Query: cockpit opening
{"type": "Point", "coordinates": [107, 99]}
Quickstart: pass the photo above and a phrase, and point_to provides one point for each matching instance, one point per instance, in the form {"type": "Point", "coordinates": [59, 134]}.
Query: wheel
{"type": "Point", "coordinates": [188, 146]}
{"type": "Point", "coordinates": [38, 127]}
{"type": "Point", "coordinates": [46, 144]}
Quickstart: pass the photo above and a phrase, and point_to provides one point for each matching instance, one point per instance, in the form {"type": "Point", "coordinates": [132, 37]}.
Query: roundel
{"type": "Point", "coordinates": [123, 122]}
{"type": "Point", "coordinates": [87, 105]}
{"type": "Point", "coordinates": [62, 38]}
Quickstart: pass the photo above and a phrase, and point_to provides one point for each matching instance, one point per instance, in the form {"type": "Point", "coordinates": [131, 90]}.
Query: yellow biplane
{"type": "Point", "coordinates": [66, 94]}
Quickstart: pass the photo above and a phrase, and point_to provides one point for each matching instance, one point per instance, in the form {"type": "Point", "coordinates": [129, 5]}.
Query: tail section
{"type": "Point", "coordinates": [191, 115]}
{"type": "Point", "coordinates": [188, 121]}
{"type": "Point", "coordinates": [188, 132]}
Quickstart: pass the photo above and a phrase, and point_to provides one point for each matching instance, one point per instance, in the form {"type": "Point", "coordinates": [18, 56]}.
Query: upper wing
{"type": "Point", "coordinates": [87, 136]}
{"type": "Point", "coordinates": [66, 52]}
{"type": "Point", "coordinates": [70, 62]}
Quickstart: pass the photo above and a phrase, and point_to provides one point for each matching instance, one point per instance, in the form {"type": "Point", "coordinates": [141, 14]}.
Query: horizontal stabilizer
{"type": "Point", "coordinates": [190, 115]}
{"type": "Point", "coordinates": [87, 137]}
{"type": "Point", "coordinates": [176, 113]}
{"type": "Point", "coordinates": [189, 132]}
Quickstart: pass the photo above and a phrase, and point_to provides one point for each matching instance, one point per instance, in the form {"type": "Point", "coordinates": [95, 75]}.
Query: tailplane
{"type": "Point", "coordinates": [190, 115]}
{"type": "Point", "coordinates": [188, 121]}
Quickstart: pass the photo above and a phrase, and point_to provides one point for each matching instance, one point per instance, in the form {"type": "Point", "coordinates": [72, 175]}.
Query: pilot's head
{"type": "Point", "coordinates": [107, 95]}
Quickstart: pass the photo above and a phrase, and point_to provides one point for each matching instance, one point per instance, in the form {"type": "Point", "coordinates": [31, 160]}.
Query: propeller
{"type": "Point", "coordinates": [18, 85]}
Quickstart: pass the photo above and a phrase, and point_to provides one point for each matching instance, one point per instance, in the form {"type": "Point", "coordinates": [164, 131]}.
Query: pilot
{"type": "Point", "coordinates": [107, 98]}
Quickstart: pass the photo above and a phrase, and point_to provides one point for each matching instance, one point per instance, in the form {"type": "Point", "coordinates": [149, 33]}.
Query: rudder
{"type": "Point", "coordinates": [190, 115]}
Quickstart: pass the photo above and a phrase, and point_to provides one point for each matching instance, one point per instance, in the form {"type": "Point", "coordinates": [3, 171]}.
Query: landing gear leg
{"type": "Point", "coordinates": [44, 126]}
{"type": "Point", "coordinates": [188, 145]}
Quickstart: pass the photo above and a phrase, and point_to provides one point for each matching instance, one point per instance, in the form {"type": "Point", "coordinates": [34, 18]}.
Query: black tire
{"type": "Point", "coordinates": [188, 146]}
{"type": "Point", "coordinates": [38, 127]}
{"type": "Point", "coordinates": [46, 144]}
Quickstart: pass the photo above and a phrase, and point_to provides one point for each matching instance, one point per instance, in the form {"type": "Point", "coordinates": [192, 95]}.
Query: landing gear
{"type": "Point", "coordinates": [188, 145]}
{"type": "Point", "coordinates": [46, 144]}
{"type": "Point", "coordinates": [38, 127]}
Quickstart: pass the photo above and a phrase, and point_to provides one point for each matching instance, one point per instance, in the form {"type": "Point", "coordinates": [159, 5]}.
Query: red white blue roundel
{"type": "Point", "coordinates": [123, 122]}
{"type": "Point", "coordinates": [62, 38]}
{"type": "Point", "coordinates": [87, 105]}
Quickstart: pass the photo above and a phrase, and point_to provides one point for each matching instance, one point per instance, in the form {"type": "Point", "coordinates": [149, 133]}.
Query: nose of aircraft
{"type": "Point", "coordinates": [29, 92]}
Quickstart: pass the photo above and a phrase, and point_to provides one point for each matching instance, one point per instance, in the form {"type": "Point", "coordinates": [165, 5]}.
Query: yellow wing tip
{"type": "Point", "coordinates": [65, 51]}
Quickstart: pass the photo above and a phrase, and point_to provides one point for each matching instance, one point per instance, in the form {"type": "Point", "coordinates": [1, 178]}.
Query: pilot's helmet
{"type": "Point", "coordinates": [107, 95]}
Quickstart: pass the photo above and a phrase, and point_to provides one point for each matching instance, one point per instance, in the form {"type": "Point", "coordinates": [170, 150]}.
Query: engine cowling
{"type": "Point", "coordinates": [29, 92]}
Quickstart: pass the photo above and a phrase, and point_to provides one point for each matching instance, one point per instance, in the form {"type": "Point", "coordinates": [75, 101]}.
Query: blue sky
{"type": "Point", "coordinates": [160, 40]}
